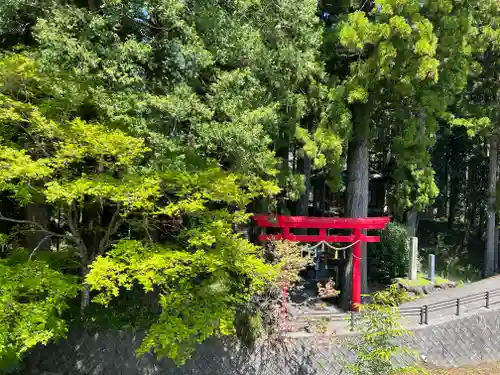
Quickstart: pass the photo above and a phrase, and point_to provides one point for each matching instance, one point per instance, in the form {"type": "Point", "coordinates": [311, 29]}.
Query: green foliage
{"type": "Point", "coordinates": [477, 110]}
{"type": "Point", "coordinates": [202, 274]}
{"type": "Point", "coordinates": [453, 261]}
{"type": "Point", "coordinates": [379, 328]}
{"type": "Point", "coordinates": [202, 278]}
{"type": "Point", "coordinates": [402, 63]}
{"type": "Point", "coordinates": [261, 315]}
{"type": "Point", "coordinates": [389, 258]}
{"type": "Point", "coordinates": [148, 130]}
{"type": "Point", "coordinates": [392, 296]}
{"type": "Point", "coordinates": [288, 259]}
{"type": "Point", "coordinates": [198, 290]}
{"type": "Point", "coordinates": [64, 149]}
{"type": "Point", "coordinates": [455, 248]}
{"type": "Point", "coordinates": [249, 79]}
{"type": "Point", "coordinates": [32, 299]}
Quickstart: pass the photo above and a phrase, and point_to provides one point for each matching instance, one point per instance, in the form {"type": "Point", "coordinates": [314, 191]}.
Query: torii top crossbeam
{"type": "Point", "coordinates": [285, 223]}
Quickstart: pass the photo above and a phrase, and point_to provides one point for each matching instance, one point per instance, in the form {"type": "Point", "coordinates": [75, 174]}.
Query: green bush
{"type": "Point", "coordinates": [388, 258]}
{"type": "Point", "coordinates": [374, 350]}
{"type": "Point", "coordinates": [33, 297]}
{"type": "Point", "coordinates": [392, 296]}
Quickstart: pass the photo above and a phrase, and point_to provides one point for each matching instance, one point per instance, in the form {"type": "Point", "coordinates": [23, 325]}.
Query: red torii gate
{"type": "Point", "coordinates": [285, 223]}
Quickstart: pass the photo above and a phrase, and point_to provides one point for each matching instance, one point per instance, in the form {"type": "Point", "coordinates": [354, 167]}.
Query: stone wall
{"type": "Point", "coordinates": [465, 341]}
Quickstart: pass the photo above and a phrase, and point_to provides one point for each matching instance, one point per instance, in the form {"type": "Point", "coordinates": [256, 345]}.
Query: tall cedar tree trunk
{"type": "Point", "coordinates": [481, 220]}
{"type": "Point", "coordinates": [412, 215]}
{"type": "Point", "coordinates": [467, 208]}
{"type": "Point", "coordinates": [283, 154]}
{"type": "Point", "coordinates": [303, 204]}
{"type": "Point", "coordinates": [489, 261]}
{"type": "Point", "coordinates": [444, 204]}
{"type": "Point", "coordinates": [483, 207]}
{"type": "Point", "coordinates": [452, 212]}
{"type": "Point", "coordinates": [357, 194]}
{"type": "Point", "coordinates": [305, 167]}
{"type": "Point", "coordinates": [440, 165]}
{"type": "Point", "coordinates": [453, 192]}
{"type": "Point", "coordinates": [459, 150]}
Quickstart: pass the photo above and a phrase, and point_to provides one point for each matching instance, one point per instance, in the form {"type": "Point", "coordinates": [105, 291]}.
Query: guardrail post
{"type": "Point", "coordinates": [458, 306]}
{"type": "Point", "coordinates": [421, 315]}
{"type": "Point", "coordinates": [488, 300]}
{"type": "Point", "coordinates": [426, 314]}
{"type": "Point", "coordinates": [352, 321]}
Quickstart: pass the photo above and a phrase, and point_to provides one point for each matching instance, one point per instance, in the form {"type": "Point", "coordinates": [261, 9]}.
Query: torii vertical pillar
{"type": "Point", "coordinates": [356, 270]}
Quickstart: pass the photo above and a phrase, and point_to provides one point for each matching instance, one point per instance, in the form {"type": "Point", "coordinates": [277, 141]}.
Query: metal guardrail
{"type": "Point", "coordinates": [457, 303]}
{"type": "Point", "coordinates": [418, 311]}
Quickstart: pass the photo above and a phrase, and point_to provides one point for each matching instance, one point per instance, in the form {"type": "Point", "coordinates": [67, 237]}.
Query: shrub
{"type": "Point", "coordinates": [392, 296]}
{"type": "Point", "coordinates": [262, 315]}
{"type": "Point", "coordinates": [376, 346]}
{"type": "Point", "coordinates": [388, 258]}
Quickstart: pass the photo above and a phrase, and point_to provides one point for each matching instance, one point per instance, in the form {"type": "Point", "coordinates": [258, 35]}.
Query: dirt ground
{"type": "Point", "coordinates": [489, 369]}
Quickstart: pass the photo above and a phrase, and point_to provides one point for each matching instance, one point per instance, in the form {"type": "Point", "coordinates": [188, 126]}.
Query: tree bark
{"type": "Point", "coordinates": [489, 262]}
{"type": "Point", "coordinates": [37, 213]}
{"type": "Point", "coordinates": [440, 165]}
{"type": "Point", "coordinates": [452, 212]}
{"type": "Point", "coordinates": [283, 153]}
{"type": "Point", "coordinates": [303, 206]}
{"type": "Point", "coordinates": [85, 295]}
{"type": "Point", "coordinates": [482, 218]}
{"type": "Point", "coordinates": [357, 195]}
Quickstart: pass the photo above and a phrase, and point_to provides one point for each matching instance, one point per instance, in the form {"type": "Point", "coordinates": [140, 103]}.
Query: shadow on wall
{"type": "Point", "coordinates": [113, 353]}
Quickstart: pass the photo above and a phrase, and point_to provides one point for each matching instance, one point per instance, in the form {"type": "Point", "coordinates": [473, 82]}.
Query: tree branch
{"type": "Point", "coordinates": [113, 227]}
{"type": "Point", "coordinates": [34, 223]}
{"type": "Point", "coordinates": [40, 244]}
{"type": "Point", "coordinates": [36, 142]}
{"type": "Point", "coordinates": [73, 226]}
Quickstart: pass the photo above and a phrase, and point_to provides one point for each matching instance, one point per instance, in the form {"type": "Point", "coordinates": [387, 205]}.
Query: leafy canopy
{"type": "Point", "coordinates": [32, 299]}
{"type": "Point", "coordinates": [199, 276]}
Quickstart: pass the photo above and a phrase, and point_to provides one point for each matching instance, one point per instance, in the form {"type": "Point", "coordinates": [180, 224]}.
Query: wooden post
{"type": "Point", "coordinates": [356, 270]}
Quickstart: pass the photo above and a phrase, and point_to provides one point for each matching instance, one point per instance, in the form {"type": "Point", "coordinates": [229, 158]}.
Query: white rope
{"type": "Point", "coordinates": [310, 248]}
{"type": "Point", "coordinates": [341, 248]}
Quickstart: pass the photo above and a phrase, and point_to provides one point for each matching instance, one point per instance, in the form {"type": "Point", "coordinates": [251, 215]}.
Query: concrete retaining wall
{"type": "Point", "coordinates": [466, 341]}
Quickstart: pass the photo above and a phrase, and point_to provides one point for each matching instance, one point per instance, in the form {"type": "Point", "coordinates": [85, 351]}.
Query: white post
{"type": "Point", "coordinates": [412, 274]}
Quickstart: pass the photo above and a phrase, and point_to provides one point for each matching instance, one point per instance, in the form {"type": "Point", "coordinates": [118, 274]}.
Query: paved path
{"type": "Point", "coordinates": [462, 291]}
{"type": "Point", "coordinates": [467, 305]}
{"type": "Point", "coordinates": [340, 325]}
